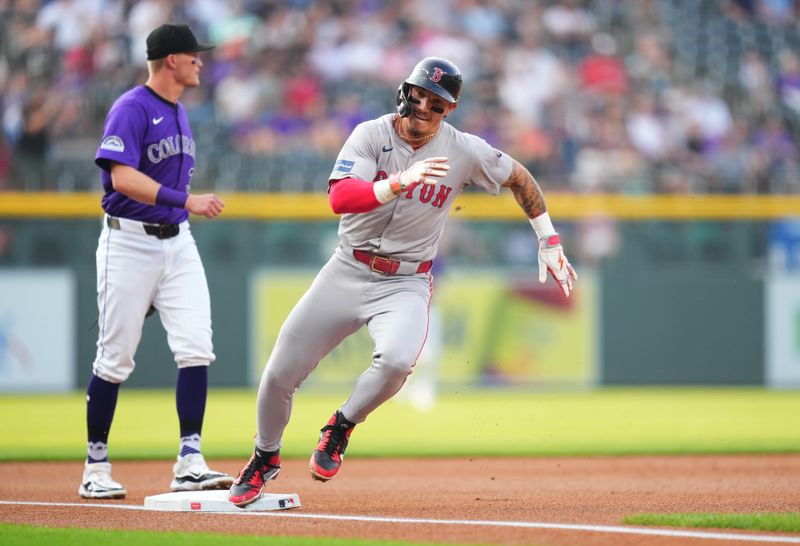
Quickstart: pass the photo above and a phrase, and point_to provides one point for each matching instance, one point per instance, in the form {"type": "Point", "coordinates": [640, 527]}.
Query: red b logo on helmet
{"type": "Point", "coordinates": [437, 74]}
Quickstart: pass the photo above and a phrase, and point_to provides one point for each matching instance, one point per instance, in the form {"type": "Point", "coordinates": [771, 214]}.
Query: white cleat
{"type": "Point", "coordinates": [191, 473]}
{"type": "Point", "coordinates": [97, 483]}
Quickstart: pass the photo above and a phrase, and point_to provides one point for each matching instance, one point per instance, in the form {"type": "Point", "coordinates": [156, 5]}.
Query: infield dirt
{"type": "Point", "coordinates": [581, 491]}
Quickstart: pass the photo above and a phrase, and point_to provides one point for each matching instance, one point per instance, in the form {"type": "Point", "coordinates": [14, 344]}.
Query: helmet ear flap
{"type": "Point", "coordinates": [403, 102]}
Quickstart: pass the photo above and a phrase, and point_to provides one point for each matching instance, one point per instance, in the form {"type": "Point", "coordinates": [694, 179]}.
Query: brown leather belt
{"type": "Point", "coordinates": [385, 265]}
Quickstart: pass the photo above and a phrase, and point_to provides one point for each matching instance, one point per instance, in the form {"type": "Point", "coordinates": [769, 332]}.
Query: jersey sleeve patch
{"type": "Point", "coordinates": [344, 166]}
{"type": "Point", "coordinates": [113, 143]}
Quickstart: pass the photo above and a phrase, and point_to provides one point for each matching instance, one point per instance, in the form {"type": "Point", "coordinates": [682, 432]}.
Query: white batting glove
{"type": "Point", "coordinates": [421, 172]}
{"type": "Point", "coordinates": [552, 259]}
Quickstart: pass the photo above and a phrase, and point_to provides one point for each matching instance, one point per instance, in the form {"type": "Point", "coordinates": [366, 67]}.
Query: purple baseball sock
{"type": "Point", "coordinates": [101, 401]}
{"type": "Point", "coordinates": [190, 399]}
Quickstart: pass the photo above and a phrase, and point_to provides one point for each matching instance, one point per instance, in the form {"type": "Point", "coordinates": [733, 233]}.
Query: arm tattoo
{"type": "Point", "coordinates": [526, 191]}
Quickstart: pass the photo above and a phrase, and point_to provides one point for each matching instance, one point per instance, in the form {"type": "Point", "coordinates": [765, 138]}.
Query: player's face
{"type": "Point", "coordinates": [427, 110]}
{"type": "Point", "coordinates": [187, 69]}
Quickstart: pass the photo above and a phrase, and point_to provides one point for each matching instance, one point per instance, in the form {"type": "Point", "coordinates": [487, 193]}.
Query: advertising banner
{"type": "Point", "coordinates": [783, 330]}
{"type": "Point", "coordinates": [37, 330]}
{"type": "Point", "coordinates": [490, 328]}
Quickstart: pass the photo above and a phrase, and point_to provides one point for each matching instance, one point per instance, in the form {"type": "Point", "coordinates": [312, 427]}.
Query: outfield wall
{"type": "Point", "coordinates": [660, 300]}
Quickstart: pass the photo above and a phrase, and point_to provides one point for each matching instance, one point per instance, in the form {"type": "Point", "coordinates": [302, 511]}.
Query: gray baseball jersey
{"type": "Point", "coordinates": [347, 295]}
{"type": "Point", "coordinates": [409, 228]}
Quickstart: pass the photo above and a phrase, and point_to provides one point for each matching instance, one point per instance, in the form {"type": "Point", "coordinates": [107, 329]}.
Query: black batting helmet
{"type": "Point", "coordinates": [435, 74]}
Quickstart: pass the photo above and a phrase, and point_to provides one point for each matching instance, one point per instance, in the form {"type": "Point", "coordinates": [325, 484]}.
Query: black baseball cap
{"type": "Point", "coordinates": [170, 38]}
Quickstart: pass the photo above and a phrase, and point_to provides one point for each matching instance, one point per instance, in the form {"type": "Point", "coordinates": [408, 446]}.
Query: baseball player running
{"type": "Point", "coordinates": [393, 183]}
{"type": "Point", "coordinates": [147, 258]}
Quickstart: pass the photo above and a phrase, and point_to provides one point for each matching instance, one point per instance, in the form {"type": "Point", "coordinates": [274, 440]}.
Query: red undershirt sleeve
{"type": "Point", "coordinates": [349, 195]}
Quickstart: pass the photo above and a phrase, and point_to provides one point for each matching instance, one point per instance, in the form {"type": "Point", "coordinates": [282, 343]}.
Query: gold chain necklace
{"type": "Point", "coordinates": [415, 140]}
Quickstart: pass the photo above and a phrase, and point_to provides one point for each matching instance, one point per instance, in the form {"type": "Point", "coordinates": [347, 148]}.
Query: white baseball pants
{"type": "Point", "coordinates": [135, 270]}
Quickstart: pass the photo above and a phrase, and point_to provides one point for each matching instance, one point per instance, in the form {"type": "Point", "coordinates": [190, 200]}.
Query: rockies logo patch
{"type": "Point", "coordinates": [113, 143]}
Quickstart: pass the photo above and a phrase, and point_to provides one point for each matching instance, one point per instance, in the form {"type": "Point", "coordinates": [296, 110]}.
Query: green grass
{"type": "Point", "coordinates": [504, 423]}
{"type": "Point", "coordinates": [14, 535]}
{"type": "Point", "coordinates": [788, 522]}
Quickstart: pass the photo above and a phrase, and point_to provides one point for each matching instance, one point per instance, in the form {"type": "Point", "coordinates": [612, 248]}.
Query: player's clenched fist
{"type": "Point", "coordinates": [208, 205]}
{"type": "Point", "coordinates": [422, 171]}
{"type": "Point", "coordinates": [552, 259]}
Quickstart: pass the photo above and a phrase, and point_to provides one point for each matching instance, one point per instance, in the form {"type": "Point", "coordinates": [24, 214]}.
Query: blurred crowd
{"type": "Point", "coordinates": [633, 96]}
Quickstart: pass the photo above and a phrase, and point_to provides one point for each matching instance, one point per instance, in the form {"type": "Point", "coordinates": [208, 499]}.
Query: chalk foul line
{"type": "Point", "coordinates": [484, 523]}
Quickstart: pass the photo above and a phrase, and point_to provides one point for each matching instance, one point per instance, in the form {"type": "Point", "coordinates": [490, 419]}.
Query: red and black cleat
{"type": "Point", "coordinates": [263, 466]}
{"type": "Point", "coordinates": [327, 458]}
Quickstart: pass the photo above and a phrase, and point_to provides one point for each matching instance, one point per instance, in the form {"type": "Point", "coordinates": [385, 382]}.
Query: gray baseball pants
{"type": "Point", "coordinates": [345, 296]}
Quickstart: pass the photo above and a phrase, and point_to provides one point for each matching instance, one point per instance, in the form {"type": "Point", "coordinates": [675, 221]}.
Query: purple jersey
{"type": "Point", "coordinates": [152, 135]}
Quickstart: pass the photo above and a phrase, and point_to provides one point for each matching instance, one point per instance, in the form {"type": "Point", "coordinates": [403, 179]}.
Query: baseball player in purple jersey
{"type": "Point", "coordinates": [394, 183]}
{"type": "Point", "coordinates": [147, 258]}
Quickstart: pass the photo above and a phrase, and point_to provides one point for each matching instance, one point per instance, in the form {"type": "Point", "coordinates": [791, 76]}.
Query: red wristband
{"type": "Point", "coordinates": [552, 240]}
{"type": "Point", "coordinates": [171, 198]}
